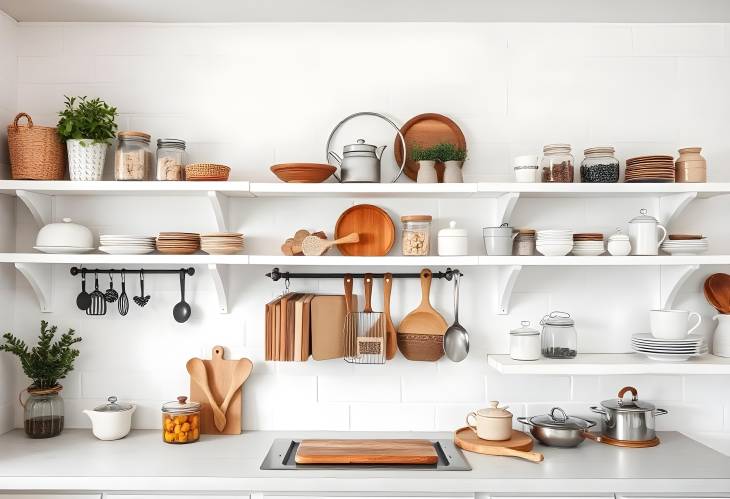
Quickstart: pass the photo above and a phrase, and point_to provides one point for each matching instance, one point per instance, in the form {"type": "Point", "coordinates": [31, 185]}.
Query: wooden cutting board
{"type": "Point", "coordinates": [219, 373]}
{"type": "Point", "coordinates": [468, 440]}
{"type": "Point", "coordinates": [327, 318]}
{"type": "Point", "coordinates": [350, 451]}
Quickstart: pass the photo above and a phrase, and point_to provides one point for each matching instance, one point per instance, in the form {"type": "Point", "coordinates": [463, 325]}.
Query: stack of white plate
{"type": "Point", "coordinates": [685, 246]}
{"type": "Point", "coordinates": [126, 245]}
{"type": "Point", "coordinates": [668, 350]}
{"type": "Point", "coordinates": [554, 242]}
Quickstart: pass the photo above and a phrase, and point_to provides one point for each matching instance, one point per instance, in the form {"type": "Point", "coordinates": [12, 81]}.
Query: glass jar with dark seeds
{"type": "Point", "coordinates": [599, 166]}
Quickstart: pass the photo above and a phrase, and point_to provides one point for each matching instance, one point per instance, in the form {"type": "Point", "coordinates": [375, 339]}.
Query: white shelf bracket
{"type": "Point", "coordinates": [39, 205]}
{"type": "Point", "coordinates": [506, 279]}
{"type": "Point", "coordinates": [505, 204]}
{"type": "Point", "coordinates": [671, 205]}
{"type": "Point", "coordinates": [671, 280]}
{"type": "Point", "coordinates": [219, 204]}
{"type": "Point", "coordinates": [219, 274]}
{"type": "Point", "coordinates": [40, 278]}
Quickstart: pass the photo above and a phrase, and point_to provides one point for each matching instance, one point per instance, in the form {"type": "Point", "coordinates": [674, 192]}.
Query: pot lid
{"type": "Point", "coordinates": [494, 411]}
{"type": "Point", "coordinates": [452, 231]}
{"type": "Point", "coordinates": [558, 319]}
{"type": "Point", "coordinates": [113, 406]}
{"type": "Point", "coordinates": [360, 146]}
{"type": "Point", "coordinates": [416, 218]}
{"type": "Point", "coordinates": [180, 405]}
{"type": "Point", "coordinates": [557, 418]}
{"type": "Point", "coordinates": [644, 218]}
{"type": "Point", "coordinates": [618, 236]}
{"type": "Point", "coordinates": [553, 148]}
{"type": "Point", "coordinates": [624, 404]}
{"type": "Point", "coordinates": [525, 330]}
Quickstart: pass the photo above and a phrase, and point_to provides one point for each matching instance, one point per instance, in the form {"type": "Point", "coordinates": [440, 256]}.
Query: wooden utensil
{"type": "Point", "coordinates": [374, 226]}
{"type": "Point", "coordinates": [354, 451]}
{"type": "Point", "coordinates": [349, 331]}
{"type": "Point", "coordinates": [391, 342]}
{"type": "Point", "coordinates": [328, 315]}
{"type": "Point", "coordinates": [369, 334]}
{"type": "Point", "coordinates": [427, 130]}
{"type": "Point", "coordinates": [197, 372]}
{"type": "Point", "coordinates": [421, 332]}
{"type": "Point", "coordinates": [717, 286]}
{"type": "Point", "coordinates": [240, 374]}
{"type": "Point", "coordinates": [519, 445]}
{"type": "Point", "coordinates": [314, 246]}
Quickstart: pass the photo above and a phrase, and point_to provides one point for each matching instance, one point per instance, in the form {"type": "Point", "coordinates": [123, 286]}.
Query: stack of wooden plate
{"type": "Point", "coordinates": [588, 244]}
{"type": "Point", "coordinates": [650, 169]}
{"type": "Point", "coordinates": [221, 243]}
{"type": "Point", "coordinates": [178, 243]}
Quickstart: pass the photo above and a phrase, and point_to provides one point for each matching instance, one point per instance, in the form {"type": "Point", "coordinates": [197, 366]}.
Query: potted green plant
{"type": "Point", "coordinates": [45, 364]}
{"type": "Point", "coordinates": [453, 158]}
{"type": "Point", "coordinates": [426, 158]}
{"type": "Point", "coordinates": [87, 126]}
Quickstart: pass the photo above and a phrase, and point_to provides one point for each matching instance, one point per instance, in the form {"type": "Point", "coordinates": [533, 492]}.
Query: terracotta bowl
{"type": "Point", "coordinates": [303, 173]}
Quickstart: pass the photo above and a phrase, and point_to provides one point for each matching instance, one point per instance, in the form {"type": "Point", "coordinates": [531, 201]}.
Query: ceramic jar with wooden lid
{"type": "Point", "coordinates": [492, 423]}
{"type": "Point", "coordinates": [690, 166]}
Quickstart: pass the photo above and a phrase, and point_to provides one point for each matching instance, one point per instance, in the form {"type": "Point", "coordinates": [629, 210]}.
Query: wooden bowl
{"type": "Point", "coordinates": [303, 173]}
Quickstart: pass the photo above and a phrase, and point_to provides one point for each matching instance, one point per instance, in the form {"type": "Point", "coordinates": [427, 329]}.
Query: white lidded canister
{"type": "Point", "coordinates": [524, 343]}
{"type": "Point", "coordinates": [452, 241]}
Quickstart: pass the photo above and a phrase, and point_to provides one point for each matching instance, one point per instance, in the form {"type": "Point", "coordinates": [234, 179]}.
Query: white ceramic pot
{"type": "Point", "coordinates": [452, 172]}
{"type": "Point", "coordinates": [492, 423]}
{"type": "Point", "coordinates": [644, 234]}
{"type": "Point", "coordinates": [721, 338]}
{"type": "Point", "coordinates": [111, 421]}
{"type": "Point", "coordinates": [619, 244]}
{"type": "Point", "coordinates": [526, 168]}
{"type": "Point", "coordinates": [427, 172]}
{"type": "Point", "coordinates": [86, 159]}
{"type": "Point", "coordinates": [452, 241]}
{"type": "Point", "coordinates": [65, 234]}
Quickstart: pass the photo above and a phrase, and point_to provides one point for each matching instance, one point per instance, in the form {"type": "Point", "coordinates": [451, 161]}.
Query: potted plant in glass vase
{"type": "Point", "coordinates": [426, 158]}
{"type": "Point", "coordinates": [453, 158]}
{"type": "Point", "coordinates": [45, 364]}
{"type": "Point", "coordinates": [87, 126]}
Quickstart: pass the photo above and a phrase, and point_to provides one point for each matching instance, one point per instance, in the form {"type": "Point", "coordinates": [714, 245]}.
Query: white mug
{"type": "Point", "coordinates": [672, 324]}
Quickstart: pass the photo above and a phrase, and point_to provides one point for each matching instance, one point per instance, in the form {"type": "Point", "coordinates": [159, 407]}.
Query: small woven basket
{"type": "Point", "coordinates": [206, 171]}
{"type": "Point", "coordinates": [36, 152]}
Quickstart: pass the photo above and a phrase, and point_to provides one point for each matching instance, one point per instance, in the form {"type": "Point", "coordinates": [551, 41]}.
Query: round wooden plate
{"type": "Point", "coordinates": [375, 227]}
{"type": "Point", "coordinates": [427, 130]}
{"type": "Point", "coordinates": [468, 440]}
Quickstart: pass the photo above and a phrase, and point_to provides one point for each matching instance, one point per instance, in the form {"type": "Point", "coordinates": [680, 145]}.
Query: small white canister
{"type": "Point", "coordinates": [524, 342]}
{"type": "Point", "coordinates": [526, 169]}
{"type": "Point", "coordinates": [452, 241]}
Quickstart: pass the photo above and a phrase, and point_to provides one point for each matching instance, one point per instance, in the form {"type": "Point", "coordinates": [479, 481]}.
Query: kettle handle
{"type": "Point", "coordinates": [377, 115]}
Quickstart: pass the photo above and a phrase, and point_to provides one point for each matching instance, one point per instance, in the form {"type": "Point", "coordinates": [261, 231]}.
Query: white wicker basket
{"type": "Point", "coordinates": [86, 159]}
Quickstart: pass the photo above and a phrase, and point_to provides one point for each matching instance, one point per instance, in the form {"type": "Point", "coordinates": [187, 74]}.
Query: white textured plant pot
{"type": "Point", "coordinates": [452, 172]}
{"type": "Point", "coordinates": [427, 172]}
{"type": "Point", "coordinates": [86, 159]}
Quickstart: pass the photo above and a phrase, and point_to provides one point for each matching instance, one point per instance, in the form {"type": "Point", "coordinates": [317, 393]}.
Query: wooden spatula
{"type": "Point", "coordinates": [196, 369]}
{"type": "Point", "coordinates": [238, 377]}
{"type": "Point", "coordinates": [424, 319]}
{"type": "Point", "coordinates": [391, 342]}
{"type": "Point", "coordinates": [314, 246]}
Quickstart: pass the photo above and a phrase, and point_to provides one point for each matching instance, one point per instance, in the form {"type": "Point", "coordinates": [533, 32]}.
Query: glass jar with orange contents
{"type": "Point", "coordinates": [180, 421]}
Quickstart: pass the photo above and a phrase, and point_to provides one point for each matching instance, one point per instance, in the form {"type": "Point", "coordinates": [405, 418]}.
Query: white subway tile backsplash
{"type": "Point", "coordinates": [679, 40]}
{"type": "Point", "coordinates": [706, 417]}
{"type": "Point", "coordinates": [523, 388]}
{"type": "Point", "coordinates": [396, 417]}
{"type": "Point", "coordinates": [444, 388]}
{"type": "Point", "coordinates": [357, 388]}
{"type": "Point", "coordinates": [702, 388]}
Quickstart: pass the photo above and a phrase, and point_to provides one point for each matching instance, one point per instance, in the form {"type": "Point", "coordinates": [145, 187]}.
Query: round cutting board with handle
{"type": "Point", "coordinates": [519, 445]}
{"type": "Point", "coordinates": [373, 225]}
{"type": "Point", "coordinates": [421, 332]}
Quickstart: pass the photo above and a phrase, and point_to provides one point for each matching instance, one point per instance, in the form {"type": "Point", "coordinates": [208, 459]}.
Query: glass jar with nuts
{"type": "Point", "coordinates": [416, 235]}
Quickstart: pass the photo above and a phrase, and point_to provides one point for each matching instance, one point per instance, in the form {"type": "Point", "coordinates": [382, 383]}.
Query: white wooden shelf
{"type": "Point", "coordinates": [351, 190]}
{"type": "Point", "coordinates": [620, 189]}
{"type": "Point", "coordinates": [609, 363]}
{"type": "Point", "coordinates": [603, 260]}
{"type": "Point", "coordinates": [128, 188]}
{"type": "Point", "coordinates": [365, 261]}
{"type": "Point", "coordinates": [104, 259]}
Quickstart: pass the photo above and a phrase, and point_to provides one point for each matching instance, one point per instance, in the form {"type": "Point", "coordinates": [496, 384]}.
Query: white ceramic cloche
{"type": "Point", "coordinates": [65, 234]}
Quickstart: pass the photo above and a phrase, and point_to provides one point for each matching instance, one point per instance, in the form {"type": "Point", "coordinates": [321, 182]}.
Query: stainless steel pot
{"type": "Point", "coordinates": [632, 420]}
{"type": "Point", "coordinates": [557, 429]}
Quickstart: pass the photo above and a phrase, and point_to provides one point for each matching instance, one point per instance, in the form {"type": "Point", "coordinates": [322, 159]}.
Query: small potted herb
{"type": "Point", "coordinates": [45, 364]}
{"type": "Point", "coordinates": [426, 158]}
{"type": "Point", "coordinates": [87, 126]}
{"type": "Point", "coordinates": [453, 158]}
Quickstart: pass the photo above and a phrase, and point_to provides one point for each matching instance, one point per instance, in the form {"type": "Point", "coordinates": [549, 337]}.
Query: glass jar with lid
{"type": "Point", "coordinates": [525, 242]}
{"type": "Point", "coordinates": [170, 159]}
{"type": "Point", "coordinates": [557, 163]}
{"type": "Point", "coordinates": [180, 421]}
{"type": "Point", "coordinates": [416, 235]}
{"type": "Point", "coordinates": [599, 165]}
{"type": "Point", "coordinates": [132, 160]}
{"type": "Point", "coordinates": [524, 342]}
{"type": "Point", "coordinates": [559, 338]}
{"type": "Point", "coordinates": [43, 412]}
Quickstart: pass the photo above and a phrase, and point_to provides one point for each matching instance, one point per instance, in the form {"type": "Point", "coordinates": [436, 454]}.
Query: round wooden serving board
{"type": "Point", "coordinates": [468, 440]}
{"type": "Point", "coordinates": [373, 225]}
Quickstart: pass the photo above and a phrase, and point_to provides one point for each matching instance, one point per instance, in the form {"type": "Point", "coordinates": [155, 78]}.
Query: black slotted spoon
{"type": "Point", "coordinates": [123, 303]}
{"type": "Point", "coordinates": [98, 302]}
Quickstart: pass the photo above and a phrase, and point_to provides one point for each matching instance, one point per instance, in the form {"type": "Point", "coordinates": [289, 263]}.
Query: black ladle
{"type": "Point", "coordinates": [83, 300]}
{"type": "Point", "coordinates": [181, 311]}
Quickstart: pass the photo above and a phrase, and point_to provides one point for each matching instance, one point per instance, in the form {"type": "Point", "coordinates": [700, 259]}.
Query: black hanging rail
{"type": "Point", "coordinates": [277, 274]}
{"type": "Point", "coordinates": [77, 271]}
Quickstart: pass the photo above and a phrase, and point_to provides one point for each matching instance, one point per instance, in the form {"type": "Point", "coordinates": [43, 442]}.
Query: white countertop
{"type": "Point", "coordinates": [142, 462]}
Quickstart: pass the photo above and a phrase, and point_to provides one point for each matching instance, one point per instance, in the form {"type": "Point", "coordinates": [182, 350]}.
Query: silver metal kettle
{"type": "Point", "coordinates": [360, 162]}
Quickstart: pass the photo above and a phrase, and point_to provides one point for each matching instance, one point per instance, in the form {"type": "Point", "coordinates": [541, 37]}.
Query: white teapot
{"type": "Point", "coordinates": [111, 421]}
{"type": "Point", "coordinates": [644, 234]}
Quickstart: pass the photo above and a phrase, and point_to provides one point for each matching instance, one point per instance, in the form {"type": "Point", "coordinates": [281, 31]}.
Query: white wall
{"type": "Point", "coordinates": [255, 95]}
{"type": "Point", "coordinates": [8, 96]}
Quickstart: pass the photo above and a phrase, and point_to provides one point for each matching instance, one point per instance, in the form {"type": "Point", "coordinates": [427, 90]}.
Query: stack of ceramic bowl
{"type": "Point", "coordinates": [685, 244]}
{"type": "Point", "coordinates": [178, 243]}
{"type": "Point", "coordinates": [650, 169]}
{"type": "Point", "coordinates": [588, 244]}
{"type": "Point", "coordinates": [554, 242]}
{"type": "Point", "coordinates": [668, 350]}
{"type": "Point", "coordinates": [221, 243]}
{"type": "Point", "coordinates": [126, 245]}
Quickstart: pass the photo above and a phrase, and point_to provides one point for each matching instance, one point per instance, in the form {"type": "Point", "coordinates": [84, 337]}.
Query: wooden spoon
{"type": "Point", "coordinates": [424, 319]}
{"type": "Point", "coordinates": [535, 457]}
{"type": "Point", "coordinates": [391, 342]}
{"type": "Point", "coordinates": [314, 246]}
{"type": "Point", "coordinates": [239, 376]}
{"type": "Point", "coordinates": [711, 297]}
{"type": "Point", "coordinates": [719, 287]}
{"type": "Point", "coordinates": [196, 369]}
